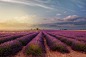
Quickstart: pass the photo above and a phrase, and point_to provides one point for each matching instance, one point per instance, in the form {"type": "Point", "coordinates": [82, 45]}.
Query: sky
{"type": "Point", "coordinates": [43, 14]}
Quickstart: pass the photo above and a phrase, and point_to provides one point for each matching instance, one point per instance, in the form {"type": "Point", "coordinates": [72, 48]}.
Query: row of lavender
{"type": "Point", "coordinates": [35, 46]}
{"type": "Point", "coordinates": [13, 46]}
{"type": "Point", "coordinates": [12, 37]}
{"type": "Point", "coordinates": [55, 44]}
{"type": "Point", "coordinates": [78, 34]}
{"type": "Point", "coordinates": [72, 34]}
{"type": "Point", "coordinates": [71, 41]}
{"type": "Point", "coordinates": [81, 35]}
{"type": "Point", "coordinates": [5, 34]}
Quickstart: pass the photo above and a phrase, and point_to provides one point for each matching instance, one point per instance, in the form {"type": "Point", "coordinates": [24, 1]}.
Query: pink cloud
{"type": "Point", "coordinates": [65, 12]}
{"type": "Point", "coordinates": [71, 18]}
{"type": "Point", "coordinates": [58, 14]}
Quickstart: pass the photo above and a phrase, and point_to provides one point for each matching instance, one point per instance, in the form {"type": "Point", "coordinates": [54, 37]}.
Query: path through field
{"type": "Point", "coordinates": [48, 54]}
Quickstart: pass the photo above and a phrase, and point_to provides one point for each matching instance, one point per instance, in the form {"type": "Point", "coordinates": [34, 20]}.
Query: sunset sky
{"type": "Point", "coordinates": [44, 14]}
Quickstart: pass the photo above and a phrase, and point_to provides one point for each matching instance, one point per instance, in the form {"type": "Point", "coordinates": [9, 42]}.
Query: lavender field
{"type": "Point", "coordinates": [42, 28]}
{"type": "Point", "coordinates": [43, 43]}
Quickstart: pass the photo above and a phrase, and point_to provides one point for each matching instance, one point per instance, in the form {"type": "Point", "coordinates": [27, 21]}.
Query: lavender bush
{"type": "Point", "coordinates": [36, 46]}
{"type": "Point", "coordinates": [55, 44]}
{"type": "Point", "coordinates": [26, 39]}
{"type": "Point", "coordinates": [75, 44]}
{"type": "Point", "coordinates": [10, 47]}
{"type": "Point", "coordinates": [11, 37]}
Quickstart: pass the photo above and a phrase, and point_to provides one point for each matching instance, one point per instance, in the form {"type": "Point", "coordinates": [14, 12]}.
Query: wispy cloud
{"type": "Point", "coordinates": [79, 3]}
{"type": "Point", "coordinates": [56, 19]}
{"type": "Point", "coordinates": [80, 6]}
{"type": "Point", "coordinates": [71, 10]}
{"type": "Point", "coordinates": [83, 10]}
{"type": "Point", "coordinates": [70, 18]}
{"type": "Point", "coordinates": [68, 25]}
{"type": "Point", "coordinates": [26, 18]}
{"type": "Point", "coordinates": [65, 12]}
{"type": "Point", "coordinates": [30, 3]}
{"type": "Point", "coordinates": [42, 1]}
{"type": "Point", "coordinates": [18, 22]}
{"type": "Point", "coordinates": [48, 11]}
{"type": "Point", "coordinates": [46, 19]}
{"type": "Point", "coordinates": [13, 23]}
{"type": "Point", "coordinates": [58, 14]}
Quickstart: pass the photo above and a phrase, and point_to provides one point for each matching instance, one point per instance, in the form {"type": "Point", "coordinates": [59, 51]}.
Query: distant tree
{"type": "Point", "coordinates": [65, 29]}
{"type": "Point", "coordinates": [37, 28]}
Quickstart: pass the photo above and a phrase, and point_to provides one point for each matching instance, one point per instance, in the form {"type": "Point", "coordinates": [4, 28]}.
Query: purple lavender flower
{"type": "Point", "coordinates": [26, 39]}
{"type": "Point", "coordinates": [35, 46]}
{"type": "Point", "coordinates": [10, 47]}
{"type": "Point", "coordinates": [75, 44]}
{"type": "Point", "coordinates": [55, 44]}
{"type": "Point", "coordinates": [11, 37]}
